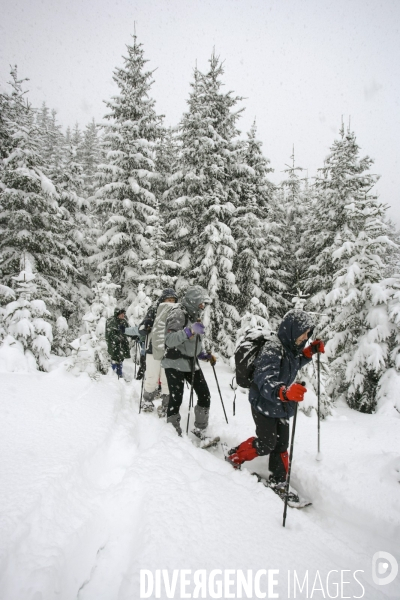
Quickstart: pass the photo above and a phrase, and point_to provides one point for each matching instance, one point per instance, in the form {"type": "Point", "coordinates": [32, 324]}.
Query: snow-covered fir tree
{"type": "Point", "coordinates": [350, 242]}
{"type": "Point", "coordinates": [71, 197]}
{"type": "Point", "coordinates": [60, 337]}
{"type": "Point", "coordinates": [292, 208]}
{"type": "Point", "coordinates": [26, 324]}
{"type": "Point", "coordinates": [160, 272]}
{"type": "Point", "coordinates": [125, 199]}
{"type": "Point", "coordinates": [387, 401]}
{"type": "Point", "coordinates": [6, 295]}
{"type": "Point", "coordinates": [258, 257]}
{"type": "Point", "coordinates": [77, 141]}
{"type": "Point", "coordinates": [138, 308]}
{"type": "Point", "coordinates": [42, 117]}
{"type": "Point", "coordinates": [10, 107]}
{"type": "Point", "coordinates": [31, 221]}
{"type": "Point", "coordinates": [203, 196]}
{"type": "Point", "coordinates": [91, 156]}
{"type": "Point", "coordinates": [256, 316]}
{"type": "Point", "coordinates": [70, 183]}
{"type": "Point", "coordinates": [167, 160]}
{"type": "Point", "coordinates": [51, 143]}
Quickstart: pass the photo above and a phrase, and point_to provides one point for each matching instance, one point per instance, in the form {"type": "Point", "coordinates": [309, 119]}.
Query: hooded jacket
{"type": "Point", "coordinates": [117, 342]}
{"type": "Point", "coordinates": [180, 316]}
{"type": "Point", "coordinates": [278, 364]}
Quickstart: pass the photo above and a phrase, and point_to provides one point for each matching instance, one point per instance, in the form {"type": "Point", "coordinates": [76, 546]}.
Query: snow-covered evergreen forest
{"type": "Point", "coordinates": [135, 206]}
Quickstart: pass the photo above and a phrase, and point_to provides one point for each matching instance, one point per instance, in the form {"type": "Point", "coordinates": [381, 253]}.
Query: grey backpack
{"type": "Point", "coordinates": [158, 330]}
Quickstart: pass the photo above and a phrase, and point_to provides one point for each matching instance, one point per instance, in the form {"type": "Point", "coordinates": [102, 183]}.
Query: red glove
{"type": "Point", "coordinates": [295, 393]}
{"type": "Point", "coordinates": [317, 346]}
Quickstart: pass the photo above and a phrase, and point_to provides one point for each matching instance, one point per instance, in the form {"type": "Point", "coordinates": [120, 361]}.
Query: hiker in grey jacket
{"type": "Point", "coordinates": [183, 333]}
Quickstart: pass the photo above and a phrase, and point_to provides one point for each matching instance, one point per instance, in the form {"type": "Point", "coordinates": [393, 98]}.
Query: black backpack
{"type": "Point", "coordinates": [246, 353]}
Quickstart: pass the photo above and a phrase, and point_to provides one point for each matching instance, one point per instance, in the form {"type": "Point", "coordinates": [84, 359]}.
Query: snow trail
{"type": "Point", "coordinates": [82, 518]}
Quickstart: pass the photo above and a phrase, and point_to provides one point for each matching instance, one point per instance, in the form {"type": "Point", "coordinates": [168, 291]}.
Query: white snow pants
{"type": "Point", "coordinates": [154, 374]}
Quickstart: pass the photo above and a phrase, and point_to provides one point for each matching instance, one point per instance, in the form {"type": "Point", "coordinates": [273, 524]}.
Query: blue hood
{"type": "Point", "coordinates": [294, 323]}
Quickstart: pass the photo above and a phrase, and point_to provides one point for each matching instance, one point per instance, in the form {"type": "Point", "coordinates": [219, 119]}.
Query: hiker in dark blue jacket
{"type": "Point", "coordinates": [273, 393]}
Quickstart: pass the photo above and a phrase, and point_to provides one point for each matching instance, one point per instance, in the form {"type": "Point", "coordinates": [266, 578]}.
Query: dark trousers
{"type": "Point", "coordinates": [117, 367]}
{"type": "Point", "coordinates": [273, 439]}
{"type": "Point", "coordinates": [176, 381]}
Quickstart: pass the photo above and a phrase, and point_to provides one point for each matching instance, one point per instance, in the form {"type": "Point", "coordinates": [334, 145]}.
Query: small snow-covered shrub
{"type": "Point", "coordinates": [26, 322]}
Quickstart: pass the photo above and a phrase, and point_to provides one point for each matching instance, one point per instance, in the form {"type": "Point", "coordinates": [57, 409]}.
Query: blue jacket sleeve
{"type": "Point", "coordinates": [267, 373]}
{"type": "Point", "coordinates": [304, 361]}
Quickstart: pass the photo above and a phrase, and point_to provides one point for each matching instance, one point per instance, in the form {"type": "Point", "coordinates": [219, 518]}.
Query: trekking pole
{"type": "Point", "coordinates": [234, 397]}
{"type": "Point", "coordinates": [319, 455]}
{"type": "Point", "coordinates": [220, 395]}
{"type": "Point", "coordinates": [192, 384]}
{"type": "Point", "coordinates": [290, 461]}
{"type": "Point", "coordinates": [141, 396]}
{"type": "Point", "coordinates": [136, 345]}
{"type": "Point", "coordinates": [143, 378]}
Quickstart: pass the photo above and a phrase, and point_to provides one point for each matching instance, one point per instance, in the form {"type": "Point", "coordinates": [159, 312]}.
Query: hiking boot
{"type": "Point", "coordinates": [201, 417]}
{"type": "Point", "coordinates": [199, 433]}
{"type": "Point", "coordinates": [162, 409]}
{"type": "Point", "coordinates": [175, 420]}
{"type": "Point", "coordinates": [147, 403]}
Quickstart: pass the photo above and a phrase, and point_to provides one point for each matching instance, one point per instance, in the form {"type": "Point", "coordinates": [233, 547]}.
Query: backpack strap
{"type": "Point", "coordinates": [282, 356]}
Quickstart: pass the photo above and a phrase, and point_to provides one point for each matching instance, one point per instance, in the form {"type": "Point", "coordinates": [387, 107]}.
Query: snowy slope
{"type": "Point", "coordinates": [92, 492]}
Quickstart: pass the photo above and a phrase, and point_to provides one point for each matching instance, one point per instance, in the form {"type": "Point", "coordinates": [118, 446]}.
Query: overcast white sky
{"type": "Point", "coordinates": [301, 65]}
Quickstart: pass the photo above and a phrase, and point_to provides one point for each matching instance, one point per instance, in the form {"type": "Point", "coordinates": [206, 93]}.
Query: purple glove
{"type": "Point", "coordinates": [188, 332]}
{"type": "Point", "coordinates": [204, 356]}
{"type": "Point", "coordinates": [198, 328]}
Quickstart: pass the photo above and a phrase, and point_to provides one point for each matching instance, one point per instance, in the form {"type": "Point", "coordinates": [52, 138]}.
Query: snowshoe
{"type": "Point", "coordinates": [162, 411]}
{"type": "Point", "coordinates": [234, 465]}
{"type": "Point", "coordinates": [294, 501]}
{"type": "Point", "coordinates": [232, 451]}
{"type": "Point", "coordinates": [147, 406]}
{"type": "Point", "coordinates": [205, 440]}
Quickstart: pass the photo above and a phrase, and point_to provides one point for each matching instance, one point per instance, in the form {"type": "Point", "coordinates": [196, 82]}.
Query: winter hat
{"type": "Point", "coordinates": [168, 293]}
{"type": "Point", "coordinates": [119, 311]}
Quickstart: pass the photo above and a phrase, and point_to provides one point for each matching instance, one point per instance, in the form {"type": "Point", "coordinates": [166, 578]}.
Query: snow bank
{"type": "Point", "coordinates": [93, 492]}
{"type": "Point", "coordinates": [388, 394]}
{"type": "Point", "coordinates": [14, 359]}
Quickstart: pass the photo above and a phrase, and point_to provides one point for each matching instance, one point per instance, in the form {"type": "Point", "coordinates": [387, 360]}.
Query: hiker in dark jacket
{"type": "Point", "coordinates": [117, 342]}
{"type": "Point", "coordinates": [273, 393]}
{"type": "Point", "coordinates": [182, 329]}
{"type": "Point", "coordinates": [154, 373]}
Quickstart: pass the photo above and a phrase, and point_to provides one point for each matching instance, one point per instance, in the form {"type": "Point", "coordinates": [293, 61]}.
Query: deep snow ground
{"type": "Point", "coordinates": [92, 492]}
